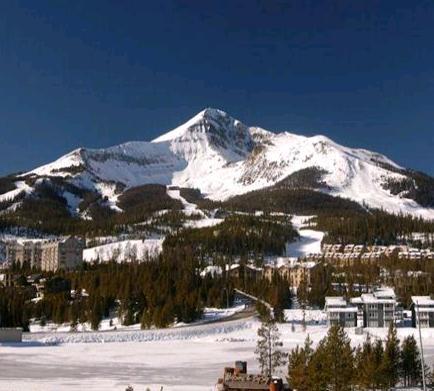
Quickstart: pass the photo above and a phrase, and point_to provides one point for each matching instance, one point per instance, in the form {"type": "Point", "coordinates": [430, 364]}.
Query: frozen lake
{"type": "Point", "coordinates": [189, 358]}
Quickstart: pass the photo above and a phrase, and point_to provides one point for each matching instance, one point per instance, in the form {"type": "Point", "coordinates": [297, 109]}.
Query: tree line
{"type": "Point", "coordinates": [156, 292]}
{"type": "Point", "coordinates": [335, 365]}
{"type": "Point", "coordinates": [375, 228]}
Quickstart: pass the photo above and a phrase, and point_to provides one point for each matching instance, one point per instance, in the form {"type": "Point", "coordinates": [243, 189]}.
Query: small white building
{"type": "Point", "coordinates": [11, 334]}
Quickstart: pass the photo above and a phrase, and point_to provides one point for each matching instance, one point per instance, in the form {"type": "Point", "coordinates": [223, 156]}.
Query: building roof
{"type": "Point", "coordinates": [338, 304]}
{"type": "Point", "coordinates": [332, 301]}
{"type": "Point", "coordinates": [384, 295]}
{"type": "Point", "coordinates": [384, 292]}
{"type": "Point", "coordinates": [422, 301]}
{"type": "Point", "coordinates": [343, 309]}
{"type": "Point", "coordinates": [371, 298]}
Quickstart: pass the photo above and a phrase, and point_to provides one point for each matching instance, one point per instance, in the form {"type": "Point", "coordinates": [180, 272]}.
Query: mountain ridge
{"type": "Point", "coordinates": [223, 158]}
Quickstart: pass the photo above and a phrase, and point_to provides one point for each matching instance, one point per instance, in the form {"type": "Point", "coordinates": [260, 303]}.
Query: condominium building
{"type": "Point", "coordinates": [301, 272]}
{"type": "Point", "coordinates": [24, 253]}
{"type": "Point", "coordinates": [339, 312]}
{"type": "Point", "coordinates": [294, 271]}
{"type": "Point", "coordinates": [379, 308]}
{"type": "Point", "coordinates": [49, 255]}
{"type": "Point", "coordinates": [66, 253]}
{"type": "Point", "coordinates": [376, 309]}
{"type": "Point", "coordinates": [422, 311]}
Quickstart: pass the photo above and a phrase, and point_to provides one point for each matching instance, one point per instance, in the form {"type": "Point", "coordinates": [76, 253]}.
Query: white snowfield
{"type": "Point", "coordinates": [183, 359]}
{"type": "Point", "coordinates": [125, 250]}
{"type": "Point", "coordinates": [20, 187]}
{"type": "Point", "coordinates": [58, 331]}
{"type": "Point", "coordinates": [309, 241]}
{"type": "Point", "coordinates": [190, 209]}
{"type": "Point", "coordinates": [222, 157]}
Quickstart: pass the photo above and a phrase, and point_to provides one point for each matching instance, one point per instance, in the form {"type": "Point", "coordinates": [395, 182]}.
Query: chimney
{"type": "Point", "coordinates": [228, 372]}
{"type": "Point", "coordinates": [240, 367]}
{"type": "Point", "coordinates": [275, 385]}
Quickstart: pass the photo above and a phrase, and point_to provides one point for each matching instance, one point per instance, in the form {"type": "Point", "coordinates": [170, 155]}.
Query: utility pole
{"type": "Point", "coordinates": [269, 351]}
{"type": "Point", "coordinates": [421, 348]}
{"type": "Point", "coordinates": [227, 296]}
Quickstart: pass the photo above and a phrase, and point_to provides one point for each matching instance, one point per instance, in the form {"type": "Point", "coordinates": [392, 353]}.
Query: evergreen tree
{"type": "Point", "coordinates": [96, 315]}
{"type": "Point", "coordinates": [302, 293]}
{"type": "Point", "coordinates": [392, 357]}
{"type": "Point", "coordinates": [341, 358]}
{"type": "Point", "coordinates": [319, 374]}
{"type": "Point", "coordinates": [281, 297]}
{"type": "Point", "coordinates": [298, 366]}
{"type": "Point", "coordinates": [146, 320]}
{"type": "Point", "coordinates": [377, 359]}
{"type": "Point", "coordinates": [411, 367]}
{"type": "Point", "coordinates": [268, 352]}
{"type": "Point", "coordinates": [365, 365]}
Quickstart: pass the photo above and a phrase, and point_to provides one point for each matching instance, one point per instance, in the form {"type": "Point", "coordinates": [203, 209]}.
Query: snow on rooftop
{"type": "Point", "coordinates": [211, 270]}
{"type": "Point", "coordinates": [332, 301]}
{"type": "Point", "coordinates": [289, 262]}
{"type": "Point", "coordinates": [422, 300]}
{"type": "Point", "coordinates": [384, 292]}
{"type": "Point", "coordinates": [378, 297]}
{"type": "Point", "coordinates": [338, 304]}
{"type": "Point", "coordinates": [344, 309]}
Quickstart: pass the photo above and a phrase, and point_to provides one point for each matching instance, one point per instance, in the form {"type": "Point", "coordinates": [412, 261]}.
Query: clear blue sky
{"type": "Point", "coordinates": [97, 73]}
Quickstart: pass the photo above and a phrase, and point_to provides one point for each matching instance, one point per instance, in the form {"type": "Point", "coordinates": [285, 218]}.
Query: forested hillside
{"type": "Point", "coordinates": [157, 293]}
{"type": "Point", "coordinates": [292, 201]}
{"type": "Point", "coordinates": [47, 210]}
{"type": "Point", "coordinates": [375, 227]}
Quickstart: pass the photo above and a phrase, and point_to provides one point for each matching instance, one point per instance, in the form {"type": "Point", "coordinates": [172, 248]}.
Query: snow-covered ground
{"type": "Point", "coordinates": [309, 241]}
{"type": "Point", "coordinates": [314, 317]}
{"type": "Point", "coordinates": [21, 186]}
{"type": "Point", "coordinates": [114, 324]}
{"type": "Point", "coordinates": [124, 250]}
{"type": "Point", "coordinates": [192, 209]}
{"type": "Point", "coordinates": [203, 223]}
{"type": "Point", "coordinates": [188, 207]}
{"type": "Point", "coordinates": [182, 359]}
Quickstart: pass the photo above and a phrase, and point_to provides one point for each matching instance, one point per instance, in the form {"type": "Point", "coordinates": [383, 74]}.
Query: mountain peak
{"type": "Point", "coordinates": [210, 130]}
{"type": "Point", "coordinates": [211, 112]}
{"type": "Point", "coordinates": [207, 115]}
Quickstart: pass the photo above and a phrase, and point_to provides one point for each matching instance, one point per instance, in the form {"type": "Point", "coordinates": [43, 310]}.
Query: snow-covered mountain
{"type": "Point", "coordinates": [222, 157]}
